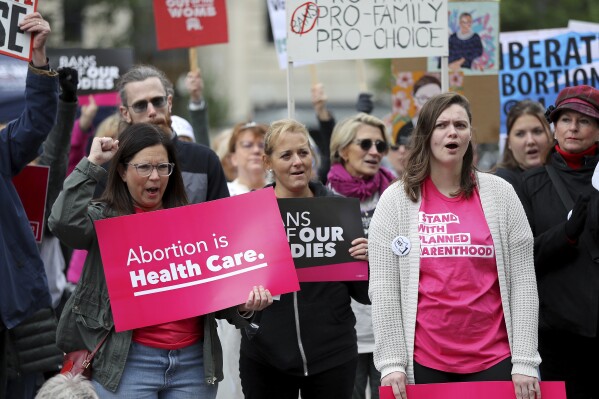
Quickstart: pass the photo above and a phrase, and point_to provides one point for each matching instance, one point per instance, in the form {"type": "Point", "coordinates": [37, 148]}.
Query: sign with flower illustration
{"type": "Point", "coordinates": [411, 90]}
{"type": "Point", "coordinates": [473, 38]}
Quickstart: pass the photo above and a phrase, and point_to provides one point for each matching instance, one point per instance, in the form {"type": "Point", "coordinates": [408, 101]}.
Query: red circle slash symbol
{"type": "Point", "coordinates": [304, 18]}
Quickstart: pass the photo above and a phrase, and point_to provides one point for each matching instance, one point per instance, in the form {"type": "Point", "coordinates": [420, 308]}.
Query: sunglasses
{"type": "Point", "coordinates": [142, 105]}
{"type": "Point", "coordinates": [366, 145]}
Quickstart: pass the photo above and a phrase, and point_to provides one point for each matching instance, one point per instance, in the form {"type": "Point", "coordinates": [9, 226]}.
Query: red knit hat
{"type": "Point", "coordinates": [584, 99]}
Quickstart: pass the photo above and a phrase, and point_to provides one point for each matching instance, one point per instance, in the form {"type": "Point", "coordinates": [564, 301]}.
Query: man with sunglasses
{"type": "Point", "coordinates": [146, 97]}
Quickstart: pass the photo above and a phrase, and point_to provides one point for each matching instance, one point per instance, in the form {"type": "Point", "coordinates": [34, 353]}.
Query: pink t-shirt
{"type": "Point", "coordinates": [460, 326]}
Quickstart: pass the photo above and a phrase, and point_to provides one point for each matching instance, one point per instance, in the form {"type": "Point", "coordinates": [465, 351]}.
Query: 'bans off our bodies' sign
{"type": "Point", "coordinates": [334, 30]}
{"type": "Point", "coordinates": [13, 41]}
{"type": "Point", "coordinates": [320, 232]}
{"type": "Point", "coordinates": [183, 262]}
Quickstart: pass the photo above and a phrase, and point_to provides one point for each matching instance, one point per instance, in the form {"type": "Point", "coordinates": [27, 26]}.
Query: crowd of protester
{"type": "Point", "coordinates": [514, 298]}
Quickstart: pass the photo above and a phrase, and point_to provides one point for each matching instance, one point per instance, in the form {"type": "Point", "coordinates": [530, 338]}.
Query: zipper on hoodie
{"type": "Point", "coordinates": [299, 338]}
{"type": "Point", "coordinates": [211, 379]}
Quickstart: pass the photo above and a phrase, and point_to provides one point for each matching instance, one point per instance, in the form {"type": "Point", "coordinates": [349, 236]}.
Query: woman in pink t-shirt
{"type": "Point", "coordinates": [452, 280]}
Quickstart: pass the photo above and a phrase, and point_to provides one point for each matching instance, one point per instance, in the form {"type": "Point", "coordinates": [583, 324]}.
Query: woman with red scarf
{"type": "Point", "coordinates": [358, 145]}
{"type": "Point", "coordinates": [563, 211]}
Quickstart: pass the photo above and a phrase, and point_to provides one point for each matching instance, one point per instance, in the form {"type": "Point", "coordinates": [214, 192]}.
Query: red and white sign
{"type": "Point", "coordinates": [461, 390]}
{"type": "Point", "coordinates": [190, 23]}
{"type": "Point", "coordinates": [32, 186]}
{"type": "Point", "coordinates": [183, 262]}
{"type": "Point", "coordinates": [13, 41]}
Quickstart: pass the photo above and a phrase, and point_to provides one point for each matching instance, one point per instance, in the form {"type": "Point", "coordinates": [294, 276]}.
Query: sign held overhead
{"type": "Point", "coordinates": [332, 30]}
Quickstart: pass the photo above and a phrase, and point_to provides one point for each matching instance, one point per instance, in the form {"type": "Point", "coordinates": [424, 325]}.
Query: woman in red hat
{"type": "Point", "coordinates": [563, 211]}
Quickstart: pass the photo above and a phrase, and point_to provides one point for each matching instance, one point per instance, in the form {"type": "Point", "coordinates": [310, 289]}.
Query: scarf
{"type": "Point", "coordinates": [347, 185]}
{"type": "Point", "coordinates": [574, 161]}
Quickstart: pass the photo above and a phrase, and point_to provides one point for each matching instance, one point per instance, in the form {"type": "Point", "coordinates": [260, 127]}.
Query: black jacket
{"type": "Point", "coordinates": [325, 322]}
{"type": "Point", "coordinates": [512, 176]}
{"type": "Point", "coordinates": [567, 276]}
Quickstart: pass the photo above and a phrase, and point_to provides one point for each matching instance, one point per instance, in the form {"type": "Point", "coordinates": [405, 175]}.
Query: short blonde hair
{"type": "Point", "coordinates": [345, 132]}
{"type": "Point", "coordinates": [277, 128]}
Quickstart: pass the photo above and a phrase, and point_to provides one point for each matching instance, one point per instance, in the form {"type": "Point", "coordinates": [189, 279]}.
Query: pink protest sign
{"type": "Point", "coordinates": [461, 390]}
{"type": "Point", "coordinates": [182, 262]}
{"type": "Point", "coordinates": [32, 186]}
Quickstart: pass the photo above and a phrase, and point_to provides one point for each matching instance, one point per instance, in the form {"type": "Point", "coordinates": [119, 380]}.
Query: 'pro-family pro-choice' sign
{"type": "Point", "coordinates": [335, 30]}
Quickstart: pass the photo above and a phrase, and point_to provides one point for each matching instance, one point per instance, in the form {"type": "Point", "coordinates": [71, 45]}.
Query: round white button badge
{"type": "Point", "coordinates": [401, 246]}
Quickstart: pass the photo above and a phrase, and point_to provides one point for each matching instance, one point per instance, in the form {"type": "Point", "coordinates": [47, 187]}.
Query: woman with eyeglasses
{"type": "Point", "coordinates": [452, 281]}
{"type": "Point", "coordinates": [358, 145]}
{"type": "Point", "coordinates": [246, 147]}
{"type": "Point", "coordinates": [180, 359]}
{"type": "Point", "coordinates": [305, 342]}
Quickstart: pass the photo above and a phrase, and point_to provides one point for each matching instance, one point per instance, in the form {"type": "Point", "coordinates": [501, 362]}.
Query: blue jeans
{"type": "Point", "coordinates": [152, 373]}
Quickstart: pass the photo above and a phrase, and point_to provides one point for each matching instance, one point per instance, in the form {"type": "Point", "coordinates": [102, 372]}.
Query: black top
{"type": "Point", "coordinates": [325, 322]}
{"type": "Point", "coordinates": [567, 277]}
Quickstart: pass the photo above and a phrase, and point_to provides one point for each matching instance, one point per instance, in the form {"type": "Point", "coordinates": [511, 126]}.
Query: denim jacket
{"type": "Point", "coordinates": [23, 284]}
{"type": "Point", "coordinates": [87, 315]}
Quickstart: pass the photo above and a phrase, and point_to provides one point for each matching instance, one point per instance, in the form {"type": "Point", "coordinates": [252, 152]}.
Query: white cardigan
{"type": "Point", "coordinates": [394, 279]}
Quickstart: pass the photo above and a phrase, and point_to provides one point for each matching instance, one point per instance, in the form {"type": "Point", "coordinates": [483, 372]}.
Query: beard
{"type": "Point", "coordinates": [164, 124]}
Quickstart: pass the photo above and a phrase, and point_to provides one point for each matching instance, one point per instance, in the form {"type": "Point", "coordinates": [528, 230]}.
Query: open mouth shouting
{"type": "Point", "coordinates": [153, 192]}
{"type": "Point", "coordinates": [452, 147]}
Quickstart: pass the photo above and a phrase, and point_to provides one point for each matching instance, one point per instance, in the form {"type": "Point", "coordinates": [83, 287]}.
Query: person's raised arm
{"type": "Point", "coordinates": [326, 123]}
{"type": "Point", "coordinates": [198, 109]}
{"type": "Point", "coordinates": [56, 147]}
{"type": "Point", "coordinates": [40, 29]}
{"type": "Point", "coordinates": [22, 138]}
{"type": "Point", "coordinates": [70, 219]}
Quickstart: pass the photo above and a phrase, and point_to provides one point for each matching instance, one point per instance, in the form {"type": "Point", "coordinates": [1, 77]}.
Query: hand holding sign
{"type": "Point", "coordinates": [259, 299]}
{"type": "Point", "coordinates": [359, 249]}
{"type": "Point", "coordinates": [34, 23]}
{"type": "Point", "coordinates": [526, 387]}
{"type": "Point", "coordinates": [398, 381]}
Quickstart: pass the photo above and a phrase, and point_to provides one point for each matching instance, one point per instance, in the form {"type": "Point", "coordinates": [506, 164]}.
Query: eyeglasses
{"type": "Point", "coordinates": [247, 145]}
{"type": "Point", "coordinates": [366, 145]}
{"type": "Point", "coordinates": [146, 169]}
{"type": "Point", "coordinates": [142, 105]}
